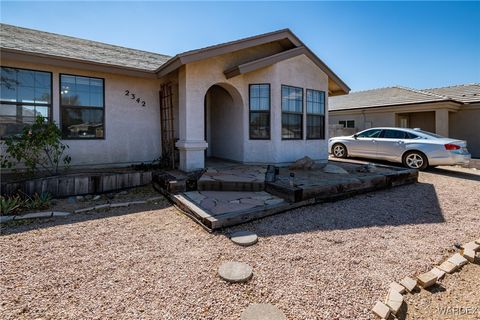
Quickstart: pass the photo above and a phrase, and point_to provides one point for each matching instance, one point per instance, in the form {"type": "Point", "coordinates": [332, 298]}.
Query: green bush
{"type": "Point", "coordinates": [41, 201]}
{"type": "Point", "coordinates": [10, 205]}
{"type": "Point", "coordinates": [39, 146]}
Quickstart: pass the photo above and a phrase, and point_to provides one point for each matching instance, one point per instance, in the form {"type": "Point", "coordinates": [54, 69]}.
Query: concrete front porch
{"type": "Point", "coordinates": [227, 193]}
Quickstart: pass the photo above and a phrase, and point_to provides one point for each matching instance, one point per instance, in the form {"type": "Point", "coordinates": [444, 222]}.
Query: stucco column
{"type": "Point", "coordinates": [441, 122]}
{"type": "Point", "coordinates": [191, 144]}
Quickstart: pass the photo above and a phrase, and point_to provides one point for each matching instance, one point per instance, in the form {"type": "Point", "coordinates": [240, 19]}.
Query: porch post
{"type": "Point", "coordinates": [441, 122]}
{"type": "Point", "coordinates": [191, 143]}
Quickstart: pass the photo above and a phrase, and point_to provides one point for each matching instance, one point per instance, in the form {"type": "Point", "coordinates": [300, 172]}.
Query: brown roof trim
{"type": "Point", "coordinates": [263, 62]}
{"type": "Point", "coordinates": [338, 86]}
{"type": "Point", "coordinates": [396, 105]}
{"type": "Point", "coordinates": [42, 58]}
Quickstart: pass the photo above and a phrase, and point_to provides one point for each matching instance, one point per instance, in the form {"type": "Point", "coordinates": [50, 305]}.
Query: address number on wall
{"type": "Point", "coordinates": [134, 97]}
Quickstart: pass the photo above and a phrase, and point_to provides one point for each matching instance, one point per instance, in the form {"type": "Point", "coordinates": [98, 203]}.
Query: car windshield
{"type": "Point", "coordinates": [373, 133]}
{"type": "Point", "coordinates": [434, 135]}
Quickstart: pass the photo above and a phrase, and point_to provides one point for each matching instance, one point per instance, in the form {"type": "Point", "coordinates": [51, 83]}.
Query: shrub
{"type": "Point", "coordinates": [38, 146]}
{"type": "Point", "coordinates": [10, 205]}
{"type": "Point", "coordinates": [41, 201]}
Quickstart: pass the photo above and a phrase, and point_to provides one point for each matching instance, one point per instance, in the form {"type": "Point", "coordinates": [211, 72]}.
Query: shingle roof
{"type": "Point", "coordinates": [382, 97]}
{"type": "Point", "coordinates": [51, 44]}
{"type": "Point", "coordinates": [466, 93]}
{"type": "Point", "coordinates": [398, 95]}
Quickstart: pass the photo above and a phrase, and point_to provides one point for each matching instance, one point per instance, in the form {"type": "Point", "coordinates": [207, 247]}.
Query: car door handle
{"type": "Point", "coordinates": [400, 142]}
{"type": "Point", "coordinates": [374, 140]}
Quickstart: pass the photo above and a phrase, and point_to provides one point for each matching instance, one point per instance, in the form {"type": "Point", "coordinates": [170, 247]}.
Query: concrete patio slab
{"type": "Point", "coordinates": [231, 194]}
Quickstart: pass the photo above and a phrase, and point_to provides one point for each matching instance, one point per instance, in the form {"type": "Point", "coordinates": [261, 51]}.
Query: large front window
{"type": "Point", "coordinates": [292, 113]}
{"type": "Point", "coordinates": [24, 95]}
{"type": "Point", "coordinates": [82, 107]}
{"type": "Point", "coordinates": [259, 111]}
{"type": "Point", "coordinates": [315, 114]}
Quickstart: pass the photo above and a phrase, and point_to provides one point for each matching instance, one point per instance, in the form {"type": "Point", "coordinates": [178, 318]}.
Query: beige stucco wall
{"type": "Point", "coordinates": [196, 78]}
{"type": "Point", "coordinates": [132, 132]}
{"type": "Point", "coordinates": [464, 125]}
{"type": "Point", "coordinates": [365, 120]}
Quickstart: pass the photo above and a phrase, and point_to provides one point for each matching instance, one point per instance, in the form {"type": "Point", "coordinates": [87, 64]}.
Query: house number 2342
{"type": "Point", "coordinates": [133, 96]}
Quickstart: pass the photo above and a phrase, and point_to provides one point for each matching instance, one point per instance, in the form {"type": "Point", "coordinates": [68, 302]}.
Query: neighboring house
{"type": "Point", "coordinates": [257, 100]}
{"type": "Point", "coordinates": [450, 111]}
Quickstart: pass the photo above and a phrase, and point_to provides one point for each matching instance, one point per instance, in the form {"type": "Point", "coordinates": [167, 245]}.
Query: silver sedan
{"type": "Point", "coordinates": [415, 148]}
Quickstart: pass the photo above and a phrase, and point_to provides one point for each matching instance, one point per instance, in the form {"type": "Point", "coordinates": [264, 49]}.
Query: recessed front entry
{"type": "Point", "coordinates": [224, 123]}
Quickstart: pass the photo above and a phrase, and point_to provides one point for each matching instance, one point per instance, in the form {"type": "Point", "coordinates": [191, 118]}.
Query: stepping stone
{"type": "Point", "coordinates": [102, 206]}
{"type": "Point", "coordinates": [235, 272]}
{"type": "Point", "coordinates": [448, 267]}
{"type": "Point", "coordinates": [469, 254]}
{"type": "Point", "coordinates": [60, 214]}
{"type": "Point", "coordinates": [382, 310]}
{"type": "Point", "coordinates": [438, 272]}
{"type": "Point", "coordinates": [6, 218]}
{"type": "Point", "coordinates": [409, 283]}
{"type": "Point", "coordinates": [427, 279]}
{"type": "Point", "coordinates": [458, 260]}
{"type": "Point", "coordinates": [394, 300]}
{"type": "Point", "coordinates": [118, 205]}
{"type": "Point", "coordinates": [84, 210]}
{"type": "Point", "coordinates": [35, 215]}
{"type": "Point", "coordinates": [397, 287]}
{"type": "Point", "coordinates": [262, 311]}
{"type": "Point", "coordinates": [244, 238]}
{"type": "Point", "coordinates": [137, 202]}
{"type": "Point", "coordinates": [477, 241]}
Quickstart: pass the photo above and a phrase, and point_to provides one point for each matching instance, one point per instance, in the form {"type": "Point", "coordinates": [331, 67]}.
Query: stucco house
{"type": "Point", "coordinates": [449, 111]}
{"type": "Point", "coordinates": [262, 99]}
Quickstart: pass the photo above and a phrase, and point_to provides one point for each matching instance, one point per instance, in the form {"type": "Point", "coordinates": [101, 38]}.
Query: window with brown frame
{"type": "Point", "coordinates": [82, 107]}
{"type": "Point", "coordinates": [315, 114]}
{"type": "Point", "coordinates": [292, 113]}
{"type": "Point", "coordinates": [259, 105]}
{"type": "Point", "coordinates": [24, 95]}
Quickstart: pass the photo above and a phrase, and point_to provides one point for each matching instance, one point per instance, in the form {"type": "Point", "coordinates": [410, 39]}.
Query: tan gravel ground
{"type": "Point", "coordinates": [328, 261]}
{"type": "Point", "coordinates": [457, 296]}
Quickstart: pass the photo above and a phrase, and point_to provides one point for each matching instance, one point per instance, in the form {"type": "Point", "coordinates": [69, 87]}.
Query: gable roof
{"type": "Point", "coordinates": [383, 97]}
{"type": "Point", "coordinates": [17, 39]}
{"type": "Point", "coordinates": [33, 43]}
{"type": "Point", "coordinates": [397, 95]}
{"type": "Point", "coordinates": [466, 93]}
{"type": "Point", "coordinates": [285, 36]}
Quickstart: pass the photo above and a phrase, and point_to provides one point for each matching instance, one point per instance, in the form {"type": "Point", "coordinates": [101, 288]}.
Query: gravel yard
{"type": "Point", "coordinates": [151, 262]}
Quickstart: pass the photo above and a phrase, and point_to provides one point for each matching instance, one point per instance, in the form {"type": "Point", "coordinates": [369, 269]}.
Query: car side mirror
{"type": "Point", "coordinates": [355, 136]}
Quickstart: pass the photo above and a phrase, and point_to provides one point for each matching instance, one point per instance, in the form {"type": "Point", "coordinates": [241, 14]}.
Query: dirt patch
{"type": "Point", "coordinates": [457, 296]}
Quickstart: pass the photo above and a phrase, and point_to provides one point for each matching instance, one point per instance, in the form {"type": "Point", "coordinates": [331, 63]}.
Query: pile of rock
{"type": "Point", "coordinates": [394, 299]}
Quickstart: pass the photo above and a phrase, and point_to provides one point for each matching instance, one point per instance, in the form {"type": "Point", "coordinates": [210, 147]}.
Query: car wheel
{"type": "Point", "coordinates": [339, 150]}
{"type": "Point", "coordinates": [415, 160]}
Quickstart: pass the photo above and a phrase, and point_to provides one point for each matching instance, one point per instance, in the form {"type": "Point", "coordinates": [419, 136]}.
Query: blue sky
{"type": "Point", "coordinates": [368, 44]}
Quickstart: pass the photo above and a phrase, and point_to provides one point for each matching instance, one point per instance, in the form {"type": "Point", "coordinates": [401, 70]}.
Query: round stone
{"type": "Point", "coordinates": [244, 238]}
{"type": "Point", "coordinates": [235, 272]}
{"type": "Point", "coordinates": [262, 311]}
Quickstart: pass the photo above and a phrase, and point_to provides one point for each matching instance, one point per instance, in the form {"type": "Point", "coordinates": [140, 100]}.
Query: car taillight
{"type": "Point", "coordinates": [450, 146]}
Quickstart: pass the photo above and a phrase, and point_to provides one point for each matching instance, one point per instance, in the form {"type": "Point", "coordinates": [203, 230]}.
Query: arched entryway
{"type": "Point", "coordinates": [224, 122]}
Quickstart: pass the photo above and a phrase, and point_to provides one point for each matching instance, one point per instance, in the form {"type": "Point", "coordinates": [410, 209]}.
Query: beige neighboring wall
{"type": "Point", "coordinates": [132, 132]}
{"type": "Point", "coordinates": [465, 125]}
